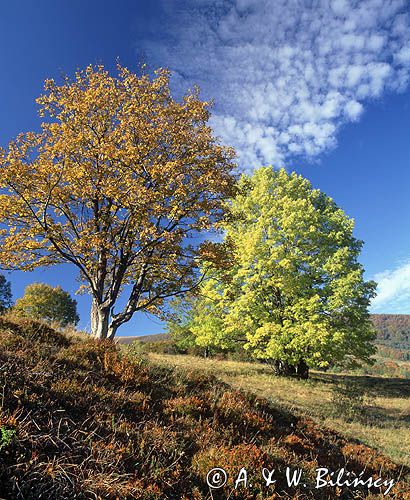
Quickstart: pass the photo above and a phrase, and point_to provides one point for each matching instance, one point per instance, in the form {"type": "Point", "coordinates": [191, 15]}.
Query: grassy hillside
{"type": "Point", "coordinates": [391, 360]}
{"type": "Point", "coordinates": [375, 410]}
{"type": "Point", "coordinates": [81, 419]}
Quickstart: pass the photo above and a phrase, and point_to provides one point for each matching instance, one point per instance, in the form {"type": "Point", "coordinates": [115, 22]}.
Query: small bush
{"type": "Point", "coordinates": [158, 347]}
{"type": "Point", "coordinates": [6, 436]}
{"type": "Point", "coordinates": [188, 405]}
{"type": "Point", "coordinates": [232, 460]}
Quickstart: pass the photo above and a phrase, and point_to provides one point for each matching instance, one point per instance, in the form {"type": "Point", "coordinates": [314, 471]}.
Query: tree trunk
{"type": "Point", "coordinates": [100, 317]}
{"type": "Point", "coordinates": [112, 330]}
{"type": "Point", "coordinates": [282, 368]}
{"type": "Point", "coordinates": [302, 370]}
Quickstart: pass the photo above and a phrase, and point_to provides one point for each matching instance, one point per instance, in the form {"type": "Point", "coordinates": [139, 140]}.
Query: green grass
{"type": "Point", "coordinates": [383, 422]}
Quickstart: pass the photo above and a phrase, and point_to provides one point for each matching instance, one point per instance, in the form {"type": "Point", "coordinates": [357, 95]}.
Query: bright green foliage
{"type": "Point", "coordinates": [207, 324]}
{"type": "Point", "coordinates": [296, 291]}
{"type": "Point", "coordinates": [179, 321]}
{"type": "Point", "coordinates": [196, 319]}
{"type": "Point", "coordinates": [42, 301]}
{"type": "Point", "coordinates": [6, 436]}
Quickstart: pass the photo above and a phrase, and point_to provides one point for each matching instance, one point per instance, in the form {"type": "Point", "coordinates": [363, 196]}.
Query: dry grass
{"type": "Point", "coordinates": [384, 423]}
{"type": "Point", "coordinates": [80, 419]}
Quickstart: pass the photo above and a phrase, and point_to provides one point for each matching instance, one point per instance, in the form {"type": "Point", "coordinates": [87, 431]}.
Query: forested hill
{"type": "Point", "coordinates": [393, 330]}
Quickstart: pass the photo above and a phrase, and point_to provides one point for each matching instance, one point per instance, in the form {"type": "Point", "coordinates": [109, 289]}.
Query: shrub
{"type": "Point", "coordinates": [137, 347]}
{"type": "Point", "coordinates": [188, 405]}
{"type": "Point", "coordinates": [232, 460]}
{"type": "Point", "coordinates": [6, 436]}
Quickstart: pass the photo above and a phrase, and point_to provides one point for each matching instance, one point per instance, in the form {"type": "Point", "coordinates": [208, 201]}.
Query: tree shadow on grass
{"type": "Point", "coordinates": [376, 386]}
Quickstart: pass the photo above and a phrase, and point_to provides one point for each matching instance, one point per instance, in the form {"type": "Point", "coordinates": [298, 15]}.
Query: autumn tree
{"type": "Point", "coordinates": [295, 295]}
{"type": "Point", "coordinates": [118, 182]}
{"type": "Point", "coordinates": [51, 304]}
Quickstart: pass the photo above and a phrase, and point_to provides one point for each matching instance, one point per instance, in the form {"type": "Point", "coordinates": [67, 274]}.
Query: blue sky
{"type": "Point", "coordinates": [320, 87]}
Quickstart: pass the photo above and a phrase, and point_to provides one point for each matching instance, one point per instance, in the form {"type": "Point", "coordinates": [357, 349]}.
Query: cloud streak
{"type": "Point", "coordinates": [285, 74]}
{"type": "Point", "coordinates": [393, 290]}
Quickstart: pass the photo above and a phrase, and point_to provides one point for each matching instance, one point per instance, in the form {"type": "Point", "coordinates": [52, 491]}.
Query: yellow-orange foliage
{"type": "Point", "coordinates": [118, 179]}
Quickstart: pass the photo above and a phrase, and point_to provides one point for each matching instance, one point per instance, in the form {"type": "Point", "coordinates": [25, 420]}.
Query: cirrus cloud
{"type": "Point", "coordinates": [285, 74]}
{"type": "Point", "coordinates": [393, 290]}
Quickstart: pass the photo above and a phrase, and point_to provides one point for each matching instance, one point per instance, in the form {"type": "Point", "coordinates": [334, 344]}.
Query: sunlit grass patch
{"type": "Point", "coordinates": [384, 424]}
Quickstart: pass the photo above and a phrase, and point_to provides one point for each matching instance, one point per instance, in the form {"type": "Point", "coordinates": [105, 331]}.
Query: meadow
{"type": "Point", "coordinates": [372, 409]}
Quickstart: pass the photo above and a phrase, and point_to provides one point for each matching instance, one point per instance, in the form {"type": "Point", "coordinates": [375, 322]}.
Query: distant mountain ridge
{"type": "Point", "coordinates": [154, 337]}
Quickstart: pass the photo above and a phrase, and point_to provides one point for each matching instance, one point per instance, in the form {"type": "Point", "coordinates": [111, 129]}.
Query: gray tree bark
{"type": "Point", "coordinates": [100, 320]}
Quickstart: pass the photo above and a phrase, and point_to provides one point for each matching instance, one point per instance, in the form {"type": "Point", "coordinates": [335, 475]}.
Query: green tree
{"type": "Point", "coordinates": [208, 321]}
{"type": "Point", "coordinates": [179, 321]}
{"type": "Point", "coordinates": [42, 301]}
{"type": "Point", "coordinates": [193, 317]}
{"type": "Point", "coordinates": [5, 294]}
{"type": "Point", "coordinates": [295, 294]}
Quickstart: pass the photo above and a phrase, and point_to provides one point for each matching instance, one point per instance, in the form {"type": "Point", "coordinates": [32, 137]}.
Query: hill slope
{"type": "Point", "coordinates": [393, 330]}
{"type": "Point", "coordinates": [81, 420]}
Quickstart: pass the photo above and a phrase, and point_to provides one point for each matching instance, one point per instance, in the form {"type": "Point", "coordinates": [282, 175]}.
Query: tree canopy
{"type": "Point", "coordinates": [42, 301]}
{"type": "Point", "coordinates": [295, 294]}
{"type": "Point", "coordinates": [117, 182]}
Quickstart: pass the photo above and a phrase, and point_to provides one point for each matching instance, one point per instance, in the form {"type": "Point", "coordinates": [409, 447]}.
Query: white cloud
{"type": "Point", "coordinates": [403, 56]}
{"type": "Point", "coordinates": [353, 110]}
{"type": "Point", "coordinates": [285, 74]}
{"type": "Point", "coordinates": [393, 290]}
